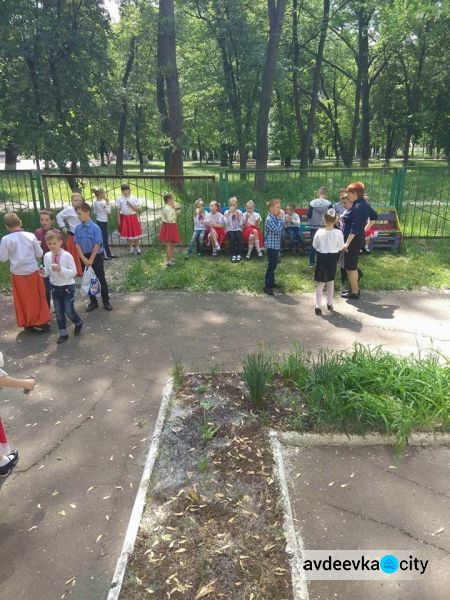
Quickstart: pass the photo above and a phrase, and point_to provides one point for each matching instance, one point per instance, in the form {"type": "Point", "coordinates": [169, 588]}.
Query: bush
{"type": "Point", "coordinates": [369, 389]}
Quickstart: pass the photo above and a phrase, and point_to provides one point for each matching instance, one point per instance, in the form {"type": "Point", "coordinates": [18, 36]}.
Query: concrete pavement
{"type": "Point", "coordinates": [84, 431]}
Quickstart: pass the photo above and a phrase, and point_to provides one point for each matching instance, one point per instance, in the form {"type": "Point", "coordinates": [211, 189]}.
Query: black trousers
{"type": "Point", "coordinates": [99, 270]}
{"type": "Point", "coordinates": [104, 229]}
{"type": "Point", "coordinates": [235, 238]}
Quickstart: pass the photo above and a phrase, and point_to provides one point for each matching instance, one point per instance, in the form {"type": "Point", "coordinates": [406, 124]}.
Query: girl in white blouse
{"type": "Point", "coordinates": [252, 233]}
{"type": "Point", "coordinates": [328, 243]}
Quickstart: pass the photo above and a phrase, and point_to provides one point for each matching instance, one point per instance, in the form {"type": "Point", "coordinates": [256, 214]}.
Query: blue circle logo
{"type": "Point", "coordinates": [389, 564]}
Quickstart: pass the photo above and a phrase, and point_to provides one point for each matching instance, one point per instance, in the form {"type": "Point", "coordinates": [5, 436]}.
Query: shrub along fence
{"type": "Point", "coordinates": [421, 195]}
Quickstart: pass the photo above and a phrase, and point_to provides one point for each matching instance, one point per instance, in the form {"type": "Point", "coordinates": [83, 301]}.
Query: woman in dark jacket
{"type": "Point", "coordinates": [355, 221]}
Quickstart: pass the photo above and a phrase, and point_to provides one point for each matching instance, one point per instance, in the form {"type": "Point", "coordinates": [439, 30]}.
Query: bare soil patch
{"type": "Point", "coordinates": [213, 525]}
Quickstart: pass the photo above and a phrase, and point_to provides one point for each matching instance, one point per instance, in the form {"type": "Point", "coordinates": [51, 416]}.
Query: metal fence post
{"type": "Point", "coordinates": [223, 185]}
{"type": "Point", "coordinates": [36, 180]}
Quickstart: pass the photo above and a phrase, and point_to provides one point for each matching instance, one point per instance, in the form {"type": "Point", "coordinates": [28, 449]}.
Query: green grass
{"type": "Point", "coordinates": [421, 264]}
{"type": "Point", "coordinates": [257, 372]}
{"type": "Point", "coordinates": [368, 389]}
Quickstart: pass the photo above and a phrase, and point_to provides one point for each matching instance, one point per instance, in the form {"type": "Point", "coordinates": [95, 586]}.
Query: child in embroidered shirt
{"type": "Point", "coordinates": [46, 221]}
{"type": "Point", "coordinates": [8, 457]}
{"type": "Point", "coordinates": [252, 233]}
{"type": "Point", "coordinates": [67, 220]}
{"type": "Point", "coordinates": [292, 226]}
{"type": "Point", "coordinates": [60, 268]}
{"type": "Point", "coordinates": [199, 233]}
{"type": "Point", "coordinates": [234, 221]}
{"type": "Point", "coordinates": [169, 233]}
{"type": "Point", "coordinates": [328, 243]}
{"type": "Point", "coordinates": [317, 208]}
{"type": "Point", "coordinates": [215, 224]}
{"type": "Point", "coordinates": [22, 250]}
{"type": "Point", "coordinates": [102, 210]}
{"type": "Point", "coordinates": [129, 226]}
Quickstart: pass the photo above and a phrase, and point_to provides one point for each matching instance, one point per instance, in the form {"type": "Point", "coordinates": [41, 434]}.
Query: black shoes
{"type": "Point", "coordinates": [349, 295]}
{"type": "Point", "coordinates": [5, 470]}
{"type": "Point", "coordinates": [91, 306]}
{"type": "Point", "coordinates": [77, 329]}
{"type": "Point", "coordinates": [107, 306]}
{"type": "Point", "coordinates": [318, 312]}
{"type": "Point", "coordinates": [330, 307]}
{"type": "Point", "coordinates": [268, 291]}
{"type": "Point", "coordinates": [62, 339]}
{"type": "Point", "coordinates": [38, 328]}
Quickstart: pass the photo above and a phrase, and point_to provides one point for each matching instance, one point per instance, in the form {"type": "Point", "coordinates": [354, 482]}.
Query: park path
{"type": "Point", "coordinates": [84, 432]}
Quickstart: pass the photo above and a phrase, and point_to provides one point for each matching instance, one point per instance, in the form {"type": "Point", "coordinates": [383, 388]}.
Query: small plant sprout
{"type": "Point", "coordinates": [177, 373]}
{"type": "Point", "coordinates": [257, 372]}
{"type": "Point", "coordinates": [140, 422]}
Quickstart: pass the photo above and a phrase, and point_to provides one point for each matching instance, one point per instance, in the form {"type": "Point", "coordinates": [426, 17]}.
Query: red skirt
{"type": "Point", "coordinates": [130, 227]}
{"type": "Point", "coordinates": [169, 233]}
{"type": "Point", "coordinates": [72, 248]}
{"type": "Point", "coordinates": [249, 230]}
{"type": "Point", "coordinates": [30, 302]}
{"type": "Point", "coordinates": [221, 233]}
{"type": "Point", "coordinates": [370, 232]}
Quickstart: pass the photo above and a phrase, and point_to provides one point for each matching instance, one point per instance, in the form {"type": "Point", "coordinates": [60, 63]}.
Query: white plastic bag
{"type": "Point", "coordinates": [90, 285]}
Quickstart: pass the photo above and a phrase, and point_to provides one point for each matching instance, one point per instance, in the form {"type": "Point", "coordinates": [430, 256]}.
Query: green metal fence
{"type": "Point", "coordinates": [57, 189]}
{"type": "Point", "coordinates": [421, 195]}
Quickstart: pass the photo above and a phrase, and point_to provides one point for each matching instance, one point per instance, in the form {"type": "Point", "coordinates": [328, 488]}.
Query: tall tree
{"type": "Point", "coordinates": [168, 90]}
{"type": "Point", "coordinates": [124, 107]}
{"type": "Point", "coordinates": [275, 10]}
{"type": "Point", "coordinates": [304, 160]}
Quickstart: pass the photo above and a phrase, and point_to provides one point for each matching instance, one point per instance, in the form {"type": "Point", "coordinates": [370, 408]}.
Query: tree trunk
{"type": "Point", "coordinates": [390, 131]}
{"type": "Point", "coordinates": [407, 144]}
{"type": "Point", "coordinates": [124, 108]}
{"type": "Point", "coordinates": [276, 10]}
{"type": "Point", "coordinates": [363, 69]}
{"type": "Point", "coordinates": [168, 91]}
{"type": "Point", "coordinates": [137, 132]}
{"type": "Point", "coordinates": [304, 160]}
{"type": "Point", "coordinates": [295, 65]}
{"type": "Point", "coordinates": [11, 156]}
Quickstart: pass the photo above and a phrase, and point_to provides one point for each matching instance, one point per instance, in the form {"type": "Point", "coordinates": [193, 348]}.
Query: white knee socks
{"type": "Point", "coordinates": [250, 250]}
{"type": "Point", "coordinates": [330, 292]}
{"type": "Point", "coordinates": [319, 292]}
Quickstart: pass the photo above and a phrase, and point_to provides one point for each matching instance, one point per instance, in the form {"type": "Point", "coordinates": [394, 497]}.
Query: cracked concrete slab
{"type": "Point", "coordinates": [88, 423]}
{"type": "Point", "coordinates": [361, 498]}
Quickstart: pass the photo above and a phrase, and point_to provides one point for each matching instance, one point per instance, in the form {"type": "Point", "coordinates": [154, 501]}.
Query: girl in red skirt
{"type": "Point", "coordinates": [129, 226]}
{"type": "Point", "coordinates": [252, 233]}
{"type": "Point", "coordinates": [9, 458]}
{"type": "Point", "coordinates": [169, 233]}
{"type": "Point", "coordinates": [215, 222]}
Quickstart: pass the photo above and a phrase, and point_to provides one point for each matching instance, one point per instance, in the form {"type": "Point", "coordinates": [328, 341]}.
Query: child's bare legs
{"type": "Point", "coordinates": [319, 292]}
{"type": "Point", "coordinates": [251, 243]}
{"type": "Point", "coordinates": [137, 248]}
{"type": "Point", "coordinates": [257, 246]}
{"type": "Point", "coordinates": [213, 241]}
{"type": "Point", "coordinates": [130, 246]}
{"type": "Point", "coordinates": [169, 252]}
{"type": "Point", "coordinates": [26, 384]}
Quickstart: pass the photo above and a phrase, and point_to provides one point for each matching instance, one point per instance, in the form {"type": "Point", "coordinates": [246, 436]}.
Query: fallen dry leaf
{"type": "Point", "coordinates": [205, 591]}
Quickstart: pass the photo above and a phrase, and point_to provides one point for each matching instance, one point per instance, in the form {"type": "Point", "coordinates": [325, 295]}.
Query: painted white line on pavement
{"type": "Point", "coordinates": [139, 502]}
{"type": "Point", "coordinates": [294, 541]}
{"type": "Point", "coordinates": [294, 438]}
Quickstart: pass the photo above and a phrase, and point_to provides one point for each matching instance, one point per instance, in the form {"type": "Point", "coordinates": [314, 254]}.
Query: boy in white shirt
{"type": "Point", "coordinates": [67, 220]}
{"type": "Point", "coordinates": [60, 267]}
{"type": "Point", "coordinates": [102, 210]}
{"type": "Point", "coordinates": [22, 250]}
{"type": "Point", "coordinates": [293, 228]}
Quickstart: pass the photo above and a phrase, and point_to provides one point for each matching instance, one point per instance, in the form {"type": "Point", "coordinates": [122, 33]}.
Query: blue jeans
{"type": "Point", "coordinates": [272, 256]}
{"type": "Point", "coordinates": [198, 240]}
{"type": "Point", "coordinates": [48, 290]}
{"type": "Point", "coordinates": [63, 301]}
{"type": "Point", "coordinates": [295, 235]}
